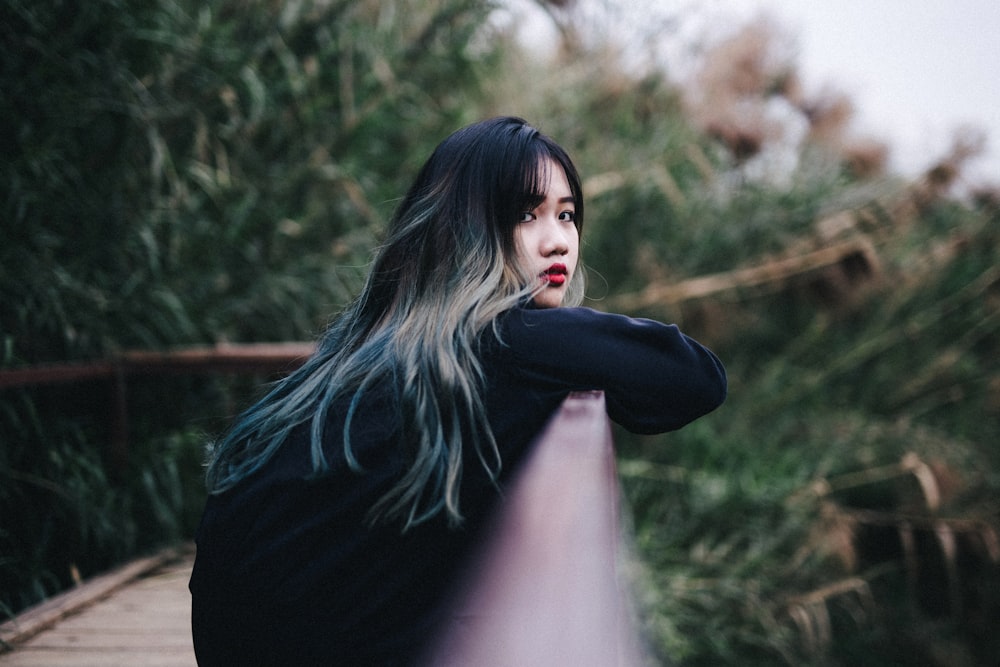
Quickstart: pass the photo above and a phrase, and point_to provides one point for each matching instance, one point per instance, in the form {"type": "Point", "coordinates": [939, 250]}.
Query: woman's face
{"type": "Point", "coordinates": [547, 240]}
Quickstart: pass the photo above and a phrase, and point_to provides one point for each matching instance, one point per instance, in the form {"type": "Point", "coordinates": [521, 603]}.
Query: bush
{"type": "Point", "coordinates": [180, 172]}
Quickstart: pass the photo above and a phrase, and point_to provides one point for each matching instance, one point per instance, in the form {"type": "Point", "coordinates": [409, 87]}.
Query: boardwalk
{"type": "Point", "coordinates": [548, 594]}
{"type": "Point", "coordinates": [142, 621]}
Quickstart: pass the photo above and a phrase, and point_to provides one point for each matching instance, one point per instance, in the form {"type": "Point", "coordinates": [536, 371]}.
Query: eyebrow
{"type": "Point", "coordinates": [561, 200]}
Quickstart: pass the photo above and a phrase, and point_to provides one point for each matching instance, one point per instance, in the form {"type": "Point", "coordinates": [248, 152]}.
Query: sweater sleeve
{"type": "Point", "coordinates": [654, 377]}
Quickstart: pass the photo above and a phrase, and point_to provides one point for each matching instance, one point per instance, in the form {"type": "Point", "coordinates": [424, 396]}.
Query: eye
{"type": "Point", "coordinates": [568, 216]}
{"type": "Point", "coordinates": [527, 216]}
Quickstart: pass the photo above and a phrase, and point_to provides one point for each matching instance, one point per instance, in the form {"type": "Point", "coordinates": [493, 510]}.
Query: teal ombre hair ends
{"type": "Point", "coordinates": [446, 270]}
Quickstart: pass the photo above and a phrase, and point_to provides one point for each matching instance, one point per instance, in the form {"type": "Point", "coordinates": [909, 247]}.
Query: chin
{"type": "Point", "coordinates": [549, 300]}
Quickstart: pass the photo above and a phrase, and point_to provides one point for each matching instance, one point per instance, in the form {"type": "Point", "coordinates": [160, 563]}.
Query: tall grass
{"type": "Point", "coordinates": [836, 374]}
{"type": "Point", "coordinates": [181, 172]}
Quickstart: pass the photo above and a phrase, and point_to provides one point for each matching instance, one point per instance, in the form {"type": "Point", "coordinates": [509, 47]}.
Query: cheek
{"type": "Point", "coordinates": [522, 242]}
{"type": "Point", "coordinates": [517, 258]}
{"type": "Point", "coordinates": [518, 239]}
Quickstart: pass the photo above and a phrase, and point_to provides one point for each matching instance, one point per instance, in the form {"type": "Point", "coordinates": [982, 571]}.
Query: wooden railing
{"type": "Point", "coordinates": [227, 358]}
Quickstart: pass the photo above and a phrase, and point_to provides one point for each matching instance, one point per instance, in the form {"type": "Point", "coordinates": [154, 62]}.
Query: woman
{"type": "Point", "coordinates": [345, 502]}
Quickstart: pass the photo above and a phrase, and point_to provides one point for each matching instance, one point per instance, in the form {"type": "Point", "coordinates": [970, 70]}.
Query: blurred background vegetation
{"type": "Point", "coordinates": [178, 173]}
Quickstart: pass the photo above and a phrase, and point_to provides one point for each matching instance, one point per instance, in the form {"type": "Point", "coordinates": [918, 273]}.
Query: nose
{"type": "Point", "coordinates": [555, 239]}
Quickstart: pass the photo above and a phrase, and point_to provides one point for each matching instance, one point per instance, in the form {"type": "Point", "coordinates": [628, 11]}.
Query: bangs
{"type": "Point", "coordinates": [541, 157]}
{"type": "Point", "coordinates": [534, 177]}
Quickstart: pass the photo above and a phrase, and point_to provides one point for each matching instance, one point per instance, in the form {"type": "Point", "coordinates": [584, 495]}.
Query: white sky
{"type": "Point", "coordinates": [916, 70]}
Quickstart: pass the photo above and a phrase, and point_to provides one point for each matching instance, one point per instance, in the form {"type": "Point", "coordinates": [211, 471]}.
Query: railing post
{"type": "Point", "coordinates": [118, 450]}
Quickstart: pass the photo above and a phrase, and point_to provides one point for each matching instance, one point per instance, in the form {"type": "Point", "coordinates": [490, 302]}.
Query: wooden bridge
{"type": "Point", "coordinates": [550, 576]}
{"type": "Point", "coordinates": [139, 614]}
{"type": "Point", "coordinates": [136, 615]}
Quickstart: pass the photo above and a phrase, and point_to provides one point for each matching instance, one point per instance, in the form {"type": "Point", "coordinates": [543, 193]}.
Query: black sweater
{"type": "Point", "coordinates": [287, 570]}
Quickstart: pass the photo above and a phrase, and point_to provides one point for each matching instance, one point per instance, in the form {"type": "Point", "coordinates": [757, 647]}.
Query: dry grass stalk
{"type": "Point", "coordinates": [736, 79]}
{"type": "Point", "coordinates": [865, 158]}
{"type": "Point", "coordinates": [911, 562]}
{"type": "Point", "coordinates": [610, 181]}
{"type": "Point", "coordinates": [781, 271]}
{"type": "Point", "coordinates": [829, 114]}
{"type": "Point", "coordinates": [925, 476]}
{"type": "Point", "coordinates": [668, 186]}
{"type": "Point", "coordinates": [833, 535]}
{"type": "Point", "coordinates": [941, 177]}
{"type": "Point", "coordinates": [599, 184]}
{"type": "Point", "coordinates": [702, 163]}
{"type": "Point", "coordinates": [949, 550]}
{"type": "Point", "coordinates": [811, 611]}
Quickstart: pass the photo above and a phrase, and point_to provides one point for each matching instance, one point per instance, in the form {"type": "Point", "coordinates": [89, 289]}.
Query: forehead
{"type": "Point", "coordinates": [552, 178]}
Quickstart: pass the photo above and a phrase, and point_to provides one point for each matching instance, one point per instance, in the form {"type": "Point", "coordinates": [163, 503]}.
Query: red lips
{"type": "Point", "coordinates": [555, 275]}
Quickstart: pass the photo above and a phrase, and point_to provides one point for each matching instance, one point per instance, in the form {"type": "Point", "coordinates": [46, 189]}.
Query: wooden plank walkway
{"type": "Point", "coordinates": [139, 615]}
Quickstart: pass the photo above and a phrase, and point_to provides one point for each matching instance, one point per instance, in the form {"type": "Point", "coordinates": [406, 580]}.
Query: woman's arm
{"type": "Point", "coordinates": [654, 377]}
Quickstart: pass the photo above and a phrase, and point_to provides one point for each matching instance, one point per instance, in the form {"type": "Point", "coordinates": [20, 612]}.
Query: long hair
{"type": "Point", "coordinates": [446, 270]}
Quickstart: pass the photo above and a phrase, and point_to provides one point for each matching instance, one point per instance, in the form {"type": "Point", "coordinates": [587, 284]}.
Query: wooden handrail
{"type": "Point", "coordinates": [55, 374]}
{"type": "Point", "coordinates": [224, 358]}
{"type": "Point", "coordinates": [245, 358]}
{"type": "Point", "coordinates": [231, 358]}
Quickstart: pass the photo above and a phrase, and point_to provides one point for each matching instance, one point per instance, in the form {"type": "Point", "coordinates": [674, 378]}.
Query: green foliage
{"type": "Point", "coordinates": [187, 172]}
{"type": "Point", "coordinates": [181, 172]}
{"type": "Point", "coordinates": [833, 373]}
{"type": "Point", "coordinates": [56, 500]}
